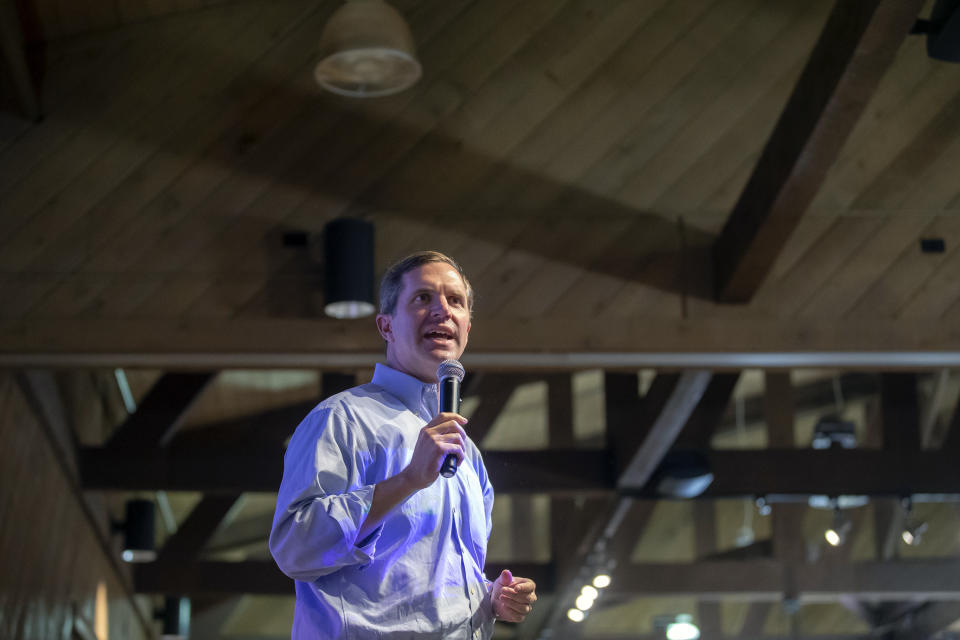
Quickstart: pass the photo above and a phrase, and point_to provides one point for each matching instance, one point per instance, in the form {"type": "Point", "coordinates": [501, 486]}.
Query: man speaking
{"type": "Point", "coordinates": [380, 545]}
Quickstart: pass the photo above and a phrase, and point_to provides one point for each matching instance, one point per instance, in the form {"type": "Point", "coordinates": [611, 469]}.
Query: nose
{"type": "Point", "coordinates": [441, 308]}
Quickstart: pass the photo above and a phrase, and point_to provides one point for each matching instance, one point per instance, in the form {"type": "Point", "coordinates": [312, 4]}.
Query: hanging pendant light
{"type": "Point", "coordinates": [366, 50]}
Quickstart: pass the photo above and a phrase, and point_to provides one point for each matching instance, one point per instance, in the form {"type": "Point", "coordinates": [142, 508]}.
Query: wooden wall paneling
{"type": "Point", "coordinates": [70, 148]}
{"type": "Point", "coordinates": [14, 546]}
{"type": "Point", "coordinates": [911, 268]}
{"type": "Point", "coordinates": [38, 558]}
{"type": "Point", "coordinates": [896, 235]}
{"type": "Point", "coordinates": [749, 78]}
{"type": "Point", "coordinates": [11, 475]}
{"type": "Point", "coordinates": [914, 90]}
{"type": "Point", "coordinates": [842, 242]}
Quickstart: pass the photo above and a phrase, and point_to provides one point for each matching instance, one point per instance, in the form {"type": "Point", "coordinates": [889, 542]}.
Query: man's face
{"type": "Point", "coordinates": [430, 323]}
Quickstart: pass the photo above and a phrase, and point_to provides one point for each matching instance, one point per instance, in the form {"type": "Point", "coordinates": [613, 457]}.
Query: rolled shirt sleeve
{"type": "Point", "coordinates": [323, 499]}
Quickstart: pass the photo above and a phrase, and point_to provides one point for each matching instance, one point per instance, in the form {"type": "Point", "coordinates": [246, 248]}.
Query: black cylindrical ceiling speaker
{"type": "Point", "coordinates": [139, 543]}
{"type": "Point", "coordinates": [348, 261]}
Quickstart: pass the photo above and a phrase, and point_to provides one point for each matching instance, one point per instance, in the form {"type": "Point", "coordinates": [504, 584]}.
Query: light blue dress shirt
{"type": "Point", "coordinates": [420, 573]}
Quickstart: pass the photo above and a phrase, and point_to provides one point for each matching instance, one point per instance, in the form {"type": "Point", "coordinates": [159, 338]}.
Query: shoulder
{"type": "Point", "coordinates": [356, 403]}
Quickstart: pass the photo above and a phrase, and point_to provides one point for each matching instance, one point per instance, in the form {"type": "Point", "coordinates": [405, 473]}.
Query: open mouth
{"type": "Point", "coordinates": [439, 335]}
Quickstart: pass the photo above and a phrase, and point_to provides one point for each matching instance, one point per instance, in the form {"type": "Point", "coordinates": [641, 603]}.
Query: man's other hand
{"type": "Point", "coordinates": [512, 597]}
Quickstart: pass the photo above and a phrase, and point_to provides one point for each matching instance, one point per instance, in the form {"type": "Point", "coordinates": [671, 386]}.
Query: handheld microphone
{"type": "Point", "coordinates": [449, 375]}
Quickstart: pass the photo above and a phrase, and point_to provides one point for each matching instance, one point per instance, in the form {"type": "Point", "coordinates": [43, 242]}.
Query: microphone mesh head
{"type": "Point", "coordinates": [450, 369]}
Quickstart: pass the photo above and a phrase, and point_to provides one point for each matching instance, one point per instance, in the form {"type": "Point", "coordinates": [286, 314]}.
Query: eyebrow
{"type": "Point", "coordinates": [461, 293]}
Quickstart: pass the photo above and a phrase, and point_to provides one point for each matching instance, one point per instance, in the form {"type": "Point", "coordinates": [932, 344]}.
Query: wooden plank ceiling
{"type": "Point", "coordinates": [578, 157]}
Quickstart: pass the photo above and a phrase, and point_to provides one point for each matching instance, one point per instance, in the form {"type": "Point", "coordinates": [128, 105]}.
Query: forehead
{"type": "Point", "coordinates": [433, 275]}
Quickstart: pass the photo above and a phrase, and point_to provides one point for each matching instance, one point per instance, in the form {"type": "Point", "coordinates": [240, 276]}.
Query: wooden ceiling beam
{"type": "Point", "coordinates": [706, 418]}
{"type": "Point", "coordinates": [231, 469]}
{"type": "Point", "coordinates": [161, 412]}
{"type": "Point", "coordinates": [858, 43]}
{"type": "Point", "coordinates": [900, 412]}
{"type": "Point", "coordinates": [667, 424]}
{"type": "Point", "coordinates": [936, 579]}
{"type": "Point", "coordinates": [496, 343]}
{"type": "Point", "coordinates": [208, 578]}
{"type": "Point", "coordinates": [952, 440]}
{"type": "Point", "coordinates": [271, 426]}
{"type": "Point", "coordinates": [199, 527]}
{"type": "Point", "coordinates": [780, 474]}
{"type": "Point", "coordinates": [926, 621]}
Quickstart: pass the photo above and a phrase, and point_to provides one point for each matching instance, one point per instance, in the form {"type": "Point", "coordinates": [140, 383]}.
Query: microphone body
{"type": "Point", "coordinates": [450, 375]}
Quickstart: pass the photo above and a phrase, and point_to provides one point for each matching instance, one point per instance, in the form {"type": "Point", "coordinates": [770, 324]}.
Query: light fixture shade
{"type": "Point", "coordinates": [348, 268]}
{"type": "Point", "coordinates": [139, 543]}
{"type": "Point", "coordinates": [366, 50]}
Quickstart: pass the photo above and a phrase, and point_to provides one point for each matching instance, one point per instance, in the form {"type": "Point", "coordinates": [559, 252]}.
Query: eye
{"type": "Point", "coordinates": [455, 300]}
{"type": "Point", "coordinates": [422, 297]}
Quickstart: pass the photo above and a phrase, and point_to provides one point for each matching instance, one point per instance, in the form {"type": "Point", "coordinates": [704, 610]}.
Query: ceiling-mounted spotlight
{"type": "Point", "coordinates": [682, 474]}
{"type": "Point", "coordinates": [913, 534]}
{"type": "Point", "coordinates": [832, 431]}
{"type": "Point", "coordinates": [838, 533]}
{"type": "Point", "coordinates": [348, 268]}
{"type": "Point", "coordinates": [913, 530]}
{"type": "Point", "coordinates": [138, 531]}
{"type": "Point", "coordinates": [677, 627]}
{"type": "Point", "coordinates": [576, 615]}
{"type": "Point", "coordinates": [366, 50]}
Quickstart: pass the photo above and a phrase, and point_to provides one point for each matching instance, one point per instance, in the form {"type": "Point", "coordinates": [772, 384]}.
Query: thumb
{"type": "Point", "coordinates": [506, 577]}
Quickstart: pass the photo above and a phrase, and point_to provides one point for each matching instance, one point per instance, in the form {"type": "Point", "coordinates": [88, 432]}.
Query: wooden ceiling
{"type": "Point", "coordinates": [581, 158]}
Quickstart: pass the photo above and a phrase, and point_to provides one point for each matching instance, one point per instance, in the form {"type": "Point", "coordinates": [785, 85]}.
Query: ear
{"type": "Point", "coordinates": [384, 322]}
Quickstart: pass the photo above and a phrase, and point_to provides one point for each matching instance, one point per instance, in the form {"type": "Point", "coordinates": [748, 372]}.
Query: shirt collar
{"type": "Point", "coordinates": [409, 390]}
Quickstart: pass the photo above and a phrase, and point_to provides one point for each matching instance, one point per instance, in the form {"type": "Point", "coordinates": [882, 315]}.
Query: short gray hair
{"type": "Point", "coordinates": [392, 280]}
